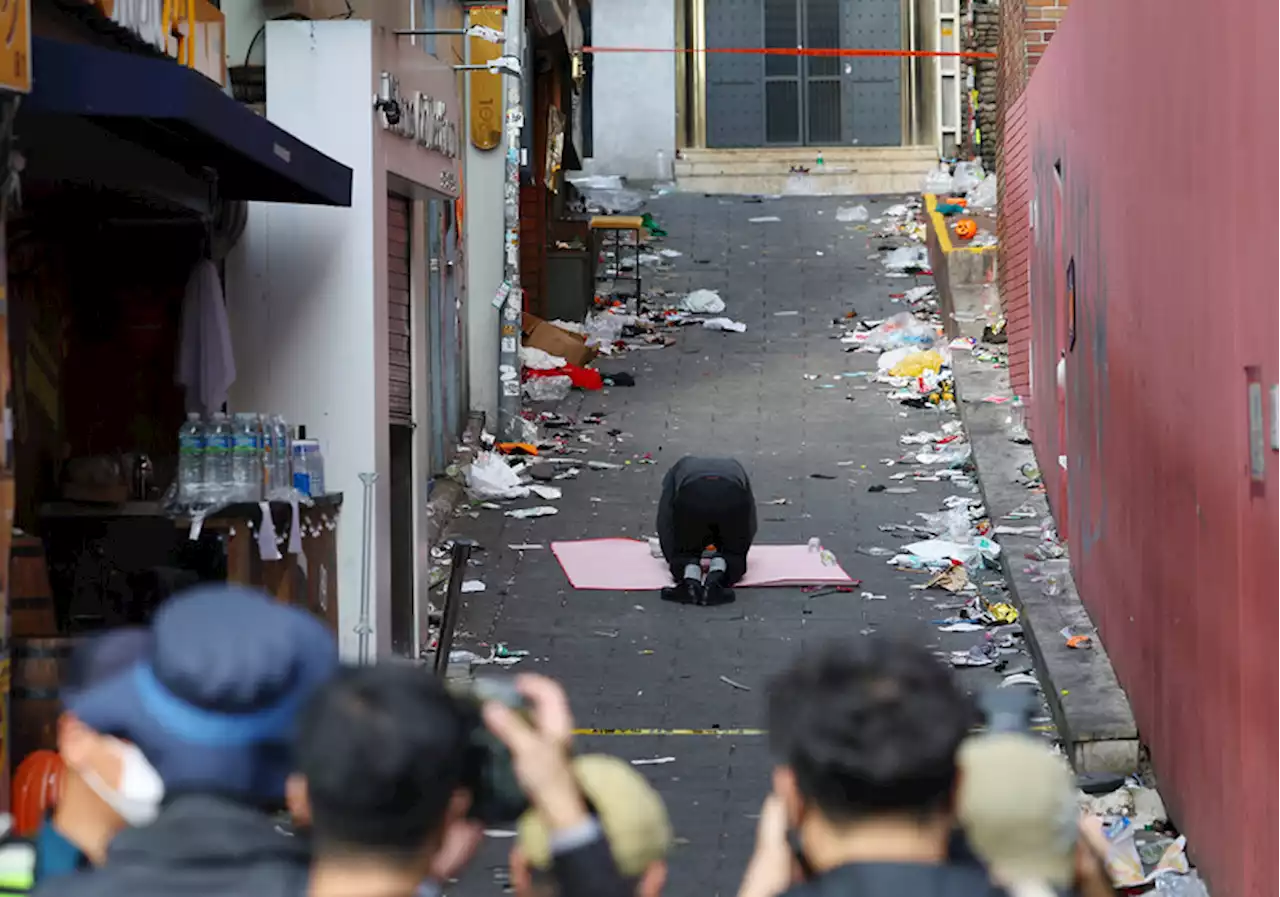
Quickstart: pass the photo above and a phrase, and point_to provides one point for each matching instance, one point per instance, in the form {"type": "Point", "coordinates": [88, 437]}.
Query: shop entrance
{"type": "Point", "coordinates": [400, 407]}
{"type": "Point", "coordinates": [444, 319]}
{"type": "Point", "coordinates": [758, 99]}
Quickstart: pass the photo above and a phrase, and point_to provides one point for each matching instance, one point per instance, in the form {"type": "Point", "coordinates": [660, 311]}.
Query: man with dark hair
{"type": "Point", "coordinates": [381, 757]}
{"type": "Point", "coordinates": [707, 513]}
{"type": "Point", "coordinates": [866, 737]}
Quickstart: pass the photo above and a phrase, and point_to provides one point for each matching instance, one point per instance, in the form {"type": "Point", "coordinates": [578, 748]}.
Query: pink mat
{"type": "Point", "coordinates": [625, 565]}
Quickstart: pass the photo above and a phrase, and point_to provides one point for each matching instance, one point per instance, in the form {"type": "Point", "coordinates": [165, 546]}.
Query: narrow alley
{"type": "Point", "coordinates": [813, 430]}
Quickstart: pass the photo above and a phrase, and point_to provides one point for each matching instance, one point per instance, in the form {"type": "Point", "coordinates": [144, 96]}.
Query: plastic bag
{"type": "Point", "coordinates": [547, 389]}
{"type": "Point", "coordinates": [967, 176]}
{"type": "Point", "coordinates": [984, 194]}
{"type": "Point", "coordinates": [703, 302]}
{"type": "Point", "coordinates": [905, 257]}
{"type": "Point", "coordinates": [490, 477]}
{"type": "Point", "coordinates": [852, 213]}
{"type": "Point", "coordinates": [903, 330]}
{"type": "Point", "coordinates": [916, 363]}
{"type": "Point", "coordinates": [953, 525]}
{"type": "Point", "coordinates": [604, 329]}
{"type": "Point", "coordinates": [725, 325]}
{"type": "Point", "coordinates": [938, 181]}
{"type": "Point", "coordinates": [539, 360]}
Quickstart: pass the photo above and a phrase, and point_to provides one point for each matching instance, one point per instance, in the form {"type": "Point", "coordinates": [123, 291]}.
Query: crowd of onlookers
{"type": "Point", "coordinates": [224, 751]}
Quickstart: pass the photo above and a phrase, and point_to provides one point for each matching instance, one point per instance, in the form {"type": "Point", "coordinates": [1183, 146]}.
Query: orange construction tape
{"type": "Point", "coordinates": [798, 51]}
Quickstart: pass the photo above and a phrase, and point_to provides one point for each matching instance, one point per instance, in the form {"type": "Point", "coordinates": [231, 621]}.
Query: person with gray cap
{"type": "Point", "coordinates": [212, 703]}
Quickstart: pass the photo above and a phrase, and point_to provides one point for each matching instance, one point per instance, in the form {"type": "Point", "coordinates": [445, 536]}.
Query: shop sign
{"type": "Point", "coordinates": [486, 87]}
{"type": "Point", "coordinates": [191, 31]}
{"type": "Point", "coordinates": [15, 52]}
{"type": "Point", "coordinates": [418, 117]}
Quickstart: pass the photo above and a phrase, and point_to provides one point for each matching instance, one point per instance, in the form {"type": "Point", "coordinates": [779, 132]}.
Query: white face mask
{"type": "Point", "coordinates": [137, 800]}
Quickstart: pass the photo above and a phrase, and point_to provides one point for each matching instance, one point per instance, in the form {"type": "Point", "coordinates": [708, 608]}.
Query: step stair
{"type": "Point", "coordinates": [845, 171]}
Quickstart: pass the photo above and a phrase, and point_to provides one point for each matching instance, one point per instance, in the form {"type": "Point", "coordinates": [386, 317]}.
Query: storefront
{"type": "Point", "coordinates": [135, 168]}
{"type": "Point", "coordinates": [374, 297]}
{"type": "Point", "coordinates": [557, 259]}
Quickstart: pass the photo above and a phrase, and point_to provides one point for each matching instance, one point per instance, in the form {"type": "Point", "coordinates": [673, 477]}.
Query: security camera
{"type": "Point", "coordinates": [390, 110]}
{"type": "Point", "coordinates": [386, 102]}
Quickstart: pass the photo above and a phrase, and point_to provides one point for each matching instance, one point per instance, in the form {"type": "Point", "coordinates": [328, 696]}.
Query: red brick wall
{"type": "Point", "coordinates": [1041, 21]}
{"type": "Point", "coordinates": [1173, 541]}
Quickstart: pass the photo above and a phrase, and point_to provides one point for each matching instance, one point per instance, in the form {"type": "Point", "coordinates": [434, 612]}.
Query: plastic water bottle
{"type": "Point", "coordinates": [268, 453]}
{"type": "Point", "coordinates": [282, 458]}
{"type": "Point", "coordinates": [308, 472]}
{"type": "Point", "coordinates": [191, 462]}
{"type": "Point", "coordinates": [217, 485]}
{"type": "Point", "coordinates": [246, 464]}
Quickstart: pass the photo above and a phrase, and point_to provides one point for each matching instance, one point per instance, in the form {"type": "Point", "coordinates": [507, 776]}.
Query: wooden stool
{"type": "Point", "coordinates": [618, 225]}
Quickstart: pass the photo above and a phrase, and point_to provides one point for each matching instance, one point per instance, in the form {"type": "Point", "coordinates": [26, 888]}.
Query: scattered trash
{"type": "Point", "coordinates": [1075, 640]}
{"type": "Point", "coordinates": [984, 195]}
{"type": "Point", "coordinates": [978, 656]}
{"type": "Point", "coordinates": [724, 324]}
{"type": "Point", "coordinates": [1126, 863]}
{"type": "Point", "coordinates": [547, 493]}
{"type": "Point", "coordinates": [738, 685]}
{"type": "Point", "coordinates": [489, 476]}
{"type": "Point", "coordinates": [548, 389]}
{"type": "Point", "coordinates": [967, 176]}
{"type": "Point", "coordinates": [938, 181]}
{"type": "Point", "coordinates": [907, 258]}
{"type": "Point", "coordinates": [764, 219]}
{"type": "Point", "coordinates": [961, 627]}
{"type": "Point", "coordinates": [785, 314]}
{"type": "Point", "coordinates": [852, 213]}
{"type": "Point", "coordinates": [526, 546]}
{"type": "Point", "coordinates": [530, 513]}
{"type": "Point", "coordinates": [471, 586]}
{"type": "Point", "coordinates": [953, 579]}
{"type": "Point", "coordinates": [871, 596]}
{"type": "Point", "coordinates": [703, 302]}
{"type": "Point", "coordinates": [653, 761]}
{"type": "Point", "coordinates": [1020, 679]}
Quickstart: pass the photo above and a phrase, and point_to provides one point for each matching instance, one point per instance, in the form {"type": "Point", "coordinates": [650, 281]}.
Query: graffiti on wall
{"type": "Point", "coordinates": [1069, 297]}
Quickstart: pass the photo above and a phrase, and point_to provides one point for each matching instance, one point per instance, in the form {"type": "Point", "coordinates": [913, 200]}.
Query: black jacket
{"type": "Point", "coordinates": [899, 880]}
{"type": "Point", "coordinates": [199, 846]}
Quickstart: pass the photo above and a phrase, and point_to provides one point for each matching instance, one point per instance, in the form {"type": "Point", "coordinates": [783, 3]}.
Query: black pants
{"type": "Point", "coordinates": [706, 502]}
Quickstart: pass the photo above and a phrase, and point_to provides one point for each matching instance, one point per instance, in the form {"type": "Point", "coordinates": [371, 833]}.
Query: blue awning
{"type": "Point", "coordinates": [178, 113]}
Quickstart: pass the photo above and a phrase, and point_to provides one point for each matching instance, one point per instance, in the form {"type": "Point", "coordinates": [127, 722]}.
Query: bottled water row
{"type": "Point", "coordinates": [246, 457]}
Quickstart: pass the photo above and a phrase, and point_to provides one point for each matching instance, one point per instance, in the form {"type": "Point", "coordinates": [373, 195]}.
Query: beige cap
{"type": "Point", "coordinates": [1018, 806]}
{"type": "Point", "coordinates": [632, 814]}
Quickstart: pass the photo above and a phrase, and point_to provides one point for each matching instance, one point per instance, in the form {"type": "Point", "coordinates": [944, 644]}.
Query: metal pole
{"type": "Point", "coordinates": [460, 556]}
{"type": "Point", "coordinates": [509, 421]}
{"type": "Point", "coordinates": [365, 624]}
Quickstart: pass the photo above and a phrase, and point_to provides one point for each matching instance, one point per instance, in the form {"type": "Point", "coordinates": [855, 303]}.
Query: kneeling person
{"type": "Point", "coordinates": [707, 513]}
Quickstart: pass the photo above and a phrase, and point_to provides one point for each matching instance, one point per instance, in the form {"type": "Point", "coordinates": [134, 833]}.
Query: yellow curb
{"type": "Point", "coordinates": [944, 232]}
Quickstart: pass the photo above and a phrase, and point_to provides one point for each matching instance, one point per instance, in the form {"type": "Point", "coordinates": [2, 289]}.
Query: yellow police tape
{"type": "Point", "coordinates": [659, 733]}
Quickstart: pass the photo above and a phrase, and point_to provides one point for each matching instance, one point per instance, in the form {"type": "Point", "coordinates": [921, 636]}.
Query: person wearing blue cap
{"type": "Point", "coordinates": [212, 703]}
{"type": "Point", "coordinates": [107, 783]}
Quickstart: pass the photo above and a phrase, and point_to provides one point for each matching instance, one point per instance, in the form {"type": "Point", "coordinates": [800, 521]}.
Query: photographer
{"type": "Point", "coordinates": [388, 775]}
{"type": "Point", "coordinates": [381, 783]}
{"type": "Point", "coordinates": [864, 791]}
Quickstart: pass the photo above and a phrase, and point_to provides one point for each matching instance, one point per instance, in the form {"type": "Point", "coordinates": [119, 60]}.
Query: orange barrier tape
{"type": "Point", "coordinates": [797, 51]}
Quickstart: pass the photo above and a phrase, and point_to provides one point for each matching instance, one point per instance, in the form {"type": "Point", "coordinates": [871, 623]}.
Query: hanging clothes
{"type": "Point", "coordinates": [206, 363]}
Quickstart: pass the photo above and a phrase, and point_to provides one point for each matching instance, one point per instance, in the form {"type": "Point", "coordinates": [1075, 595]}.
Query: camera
{"type": "Point", "coordinates": [489, 775]}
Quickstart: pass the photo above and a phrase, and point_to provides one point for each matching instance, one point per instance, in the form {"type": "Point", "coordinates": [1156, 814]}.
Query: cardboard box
{"type": "Point", "coordinates": [572, 347]}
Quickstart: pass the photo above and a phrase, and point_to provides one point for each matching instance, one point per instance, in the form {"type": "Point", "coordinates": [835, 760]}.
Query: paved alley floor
{"type": "Point", "coordinates": [631, 661]}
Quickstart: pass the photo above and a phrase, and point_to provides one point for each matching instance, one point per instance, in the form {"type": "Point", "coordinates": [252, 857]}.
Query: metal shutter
{"type": "Point", "coordinates": [399, 358]}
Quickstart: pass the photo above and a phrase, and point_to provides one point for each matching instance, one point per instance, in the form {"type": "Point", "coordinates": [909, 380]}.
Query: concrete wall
{"type": "Point", "coordinates": [306, 286]}
{"type": "Point", "coordinates": [1173, 541]}
{"type": "Point", "coordinates": [634, 106]}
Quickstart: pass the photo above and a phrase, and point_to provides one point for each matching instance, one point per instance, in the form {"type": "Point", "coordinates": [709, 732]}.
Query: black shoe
{"type": "Point", "coordinates": [689, 591]}
{"type": "Point", "coordinates": [717, 592]}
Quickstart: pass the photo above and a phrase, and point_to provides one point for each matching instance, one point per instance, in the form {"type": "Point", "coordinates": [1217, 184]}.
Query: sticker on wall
{"type": "Point", "coordinates": [1071, 305]}
{"type": "Point", "coordinates": [508, 344]}
{"type": "Point", "coordinates": [511, 388]}
{"type": "Point", "coordinates": [500, 297]}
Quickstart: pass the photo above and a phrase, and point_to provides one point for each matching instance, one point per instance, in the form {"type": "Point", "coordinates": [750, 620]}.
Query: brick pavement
{"type": "Point", "coordinates": [633, 661]}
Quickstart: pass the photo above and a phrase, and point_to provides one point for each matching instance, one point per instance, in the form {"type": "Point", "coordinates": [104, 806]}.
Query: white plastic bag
{"type": "Point", "coordinates": [604, 329]}
{"type": "Point", "coordinates": [903, 330]}
{"type": "Point", "coordinates": [724, 324]}
{"type": "Point", "coordinates": [967, 176]}
{"type": "Point", "coordinates": [547, 389]}
{"type": "Point", "coordinates": [852, 213]}
{"type": "Point", "coordinates": [984, 194]}
{"type": "Point", "coordinates": [938, 181]}
{"type": "Point", "coordinates": [539, 360]}
{"type": "Point", "coordinates": [490, 477]}
{"type": "Point", "coordinates": [905, 257]}
{"type": "Point", "coordinates": [703, 302]}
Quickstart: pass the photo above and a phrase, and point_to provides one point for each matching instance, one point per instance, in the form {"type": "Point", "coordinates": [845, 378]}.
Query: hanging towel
{"type": "Point", "coordinates": [206, 364]}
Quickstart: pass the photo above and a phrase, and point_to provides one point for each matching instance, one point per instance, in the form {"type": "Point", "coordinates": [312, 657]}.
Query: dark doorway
{"type": "Point", "coordinates": [402, 561]}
